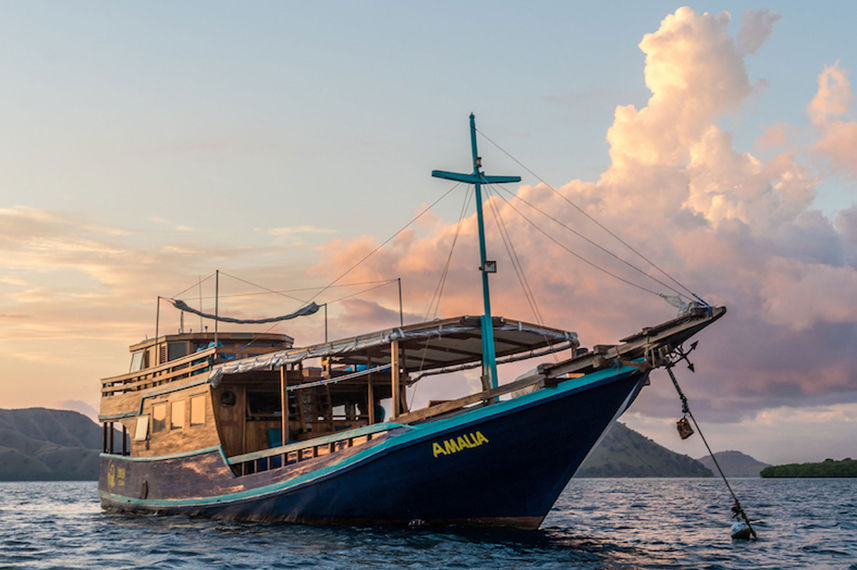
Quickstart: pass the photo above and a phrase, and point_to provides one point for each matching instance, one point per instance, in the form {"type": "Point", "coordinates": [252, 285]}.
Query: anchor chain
{"type": "Point", "coordinates": [670, 361]}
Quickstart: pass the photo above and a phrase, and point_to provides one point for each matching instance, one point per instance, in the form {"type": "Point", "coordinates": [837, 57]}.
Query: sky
{"type": "Point", "coordinates": [146, 145]}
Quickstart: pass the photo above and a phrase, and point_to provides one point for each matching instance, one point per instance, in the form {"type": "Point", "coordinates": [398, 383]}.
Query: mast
{"type": "Point", "coordinates": [477, 178]}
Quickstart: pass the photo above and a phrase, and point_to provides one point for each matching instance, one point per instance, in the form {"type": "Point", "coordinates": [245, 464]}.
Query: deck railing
{"type": "Point", "coordinates": [177, 369]}
{"type": "Point", "coordinates": [292, 453]}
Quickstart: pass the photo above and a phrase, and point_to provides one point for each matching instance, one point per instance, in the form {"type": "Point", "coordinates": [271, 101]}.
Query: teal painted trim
{"type": "Point", "coordinates": [165, 457]}
{"type": "Point", "coordinates": [324, 440]}
{"type": "Point", "coordinates": [419, 432]}
{"type": "Point", "coordinates": [458, 177]}
{"type": "Point", "coordinates": [488, 354]}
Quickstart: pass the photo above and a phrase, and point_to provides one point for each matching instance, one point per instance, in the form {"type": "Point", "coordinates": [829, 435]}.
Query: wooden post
{"type": "Point", "coordinates": [370, 394]}
{"type": "Point", "coordinates": [110, 438]}
{"type": "Point", "coordinates": [394, 373]}
{"type": "Point", "coordinates": [104, 437]}
{"type": "Point", "coordinates": [124, 437]}
{"type": "Point", "coordinates": [284, 398]}
{"type": "Point", "coordinates": [401, 313]}
{"type": "Point", "coordinates": [216, 308]}
{"type": "Point", "coordinates": [157, 358]}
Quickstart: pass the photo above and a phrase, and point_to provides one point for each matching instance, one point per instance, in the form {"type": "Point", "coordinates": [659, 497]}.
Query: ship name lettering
{"type": "Point", "coordinates": [460, 443]}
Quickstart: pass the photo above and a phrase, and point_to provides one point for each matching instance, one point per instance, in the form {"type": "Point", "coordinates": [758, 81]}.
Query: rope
{"type": "Point", "coordinates": [438, 291]}
{"type": "Point", "coordinates": [737, 511]}
{"type": "Point", "coordinates": [385, 242]}
{"type": "Point", "coordinates": [513, 256]}
{"type": "Point", "coordinates": [589, 217]}
{"type": "Point", "coordinates": [577, 255]}
{"type": "Point", "coordinates": [592, 242]}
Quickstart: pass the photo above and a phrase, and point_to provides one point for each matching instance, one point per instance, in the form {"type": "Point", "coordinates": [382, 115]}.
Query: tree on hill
{"type": "Point", "coordinates": [827, 468]}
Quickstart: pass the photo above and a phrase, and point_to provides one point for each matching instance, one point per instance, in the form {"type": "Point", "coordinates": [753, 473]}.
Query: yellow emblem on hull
{"type": "Point", "coordinates": [460, 443]}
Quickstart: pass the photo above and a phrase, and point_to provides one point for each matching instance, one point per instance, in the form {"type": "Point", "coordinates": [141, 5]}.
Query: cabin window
{"type": "Point", "coordinates": [177, 412]}
{"type": "Point", "coordinates": [176, 350]}
{"type": "Point", "coordinates": [228, 398]}
{"type": "Point", "coordinates": [159, 417]}
{"type": "Point", "coordinates": [141, 430]}
{"type": "Point", "coordinates": [138, 361]}
{"type": "Point", "coordinates": [263, 403]}
{"type": "Point", "coordinates": [197, 410]}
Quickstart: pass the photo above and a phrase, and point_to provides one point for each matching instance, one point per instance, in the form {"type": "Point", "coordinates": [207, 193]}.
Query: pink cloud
{"type": "Point", "coordinates": [829, 112]}
{"type": "Point", "coordinates": [741, 229]}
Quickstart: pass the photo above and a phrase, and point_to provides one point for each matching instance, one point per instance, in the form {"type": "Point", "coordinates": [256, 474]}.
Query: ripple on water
{"type": "Point", "coordinates": [596, 523]}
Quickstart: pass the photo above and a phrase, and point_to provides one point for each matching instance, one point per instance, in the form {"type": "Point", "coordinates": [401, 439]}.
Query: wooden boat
{"type": "Point", "coordinates": [242, 426]}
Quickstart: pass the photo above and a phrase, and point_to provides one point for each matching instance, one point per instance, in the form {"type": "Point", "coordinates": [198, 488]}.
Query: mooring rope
{"type": "Point", "coordinates": [737, 510]}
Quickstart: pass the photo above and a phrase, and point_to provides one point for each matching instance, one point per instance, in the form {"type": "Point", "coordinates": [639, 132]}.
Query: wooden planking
{"type": "Point", "coordinates": [188, 438]}
{"type": "Point", "coordinates": [122, 378]}
{"type": "Point", "coordinates": [178, 373]}
{"type": "Point", "coordinates": [452, 405]}
{"type": "Point", "coordinates": [353, 435]}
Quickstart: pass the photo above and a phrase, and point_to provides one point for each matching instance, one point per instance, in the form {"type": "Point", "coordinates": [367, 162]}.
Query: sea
{"type": "Point", "coordinates": [596, 523]}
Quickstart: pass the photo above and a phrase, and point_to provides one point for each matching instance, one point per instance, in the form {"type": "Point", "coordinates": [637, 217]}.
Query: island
{"type": "Point", "coordinates": [828, 468]}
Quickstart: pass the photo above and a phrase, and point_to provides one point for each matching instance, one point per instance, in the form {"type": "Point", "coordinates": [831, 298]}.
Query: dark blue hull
{"type": "Point", "coordinates": [502, 465]}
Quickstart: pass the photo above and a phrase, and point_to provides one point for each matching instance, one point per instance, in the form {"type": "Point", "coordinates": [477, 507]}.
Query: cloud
{"type": "Point", "coordinates": [738, 227]}
{"type": "Point", "coordinates": [829, 112]}
{"type": "Point", "coordinates": [756, 28]}
{"type": "Point", "coordinates": [294, 230]}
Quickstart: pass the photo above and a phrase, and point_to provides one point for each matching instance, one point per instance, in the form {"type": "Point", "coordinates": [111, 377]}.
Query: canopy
{"type": "Point", "coordinates": [433, 345]}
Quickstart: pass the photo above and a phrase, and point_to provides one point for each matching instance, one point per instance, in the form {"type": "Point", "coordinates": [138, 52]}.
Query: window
{"type": "Point", "coordinates": [177, 412]}
{"type": "Point", "coordinates": [159, 417]}
{"type": "Point", "coordinates": [141, 430]}
{"type": "Point", "coordinates": [176, 350]}
{"type": "Point", "coordinates": [197, 410]}
{"type": "Point", "coordinates": [138, 361]}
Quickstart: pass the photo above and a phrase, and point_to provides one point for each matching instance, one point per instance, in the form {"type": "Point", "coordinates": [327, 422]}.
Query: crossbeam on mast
{"type": "Point", "coordinates": [478, 178]}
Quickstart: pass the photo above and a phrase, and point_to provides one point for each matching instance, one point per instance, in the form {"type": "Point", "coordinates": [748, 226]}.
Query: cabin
{"type": "Point", "coordinates": [246, 391]}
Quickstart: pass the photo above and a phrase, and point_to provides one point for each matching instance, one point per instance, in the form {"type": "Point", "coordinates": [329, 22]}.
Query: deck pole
{"type": "Point", "coordinates": [394, 373]}
{"type": "Point", "coordinates": [370, 395]}
{"type": "Point", "coordinates": [284, 399]}
{"type": "Point", "coordinates": [157, 358]}
{"type": "Point", "coordinates": [216, 307]}
{"type": "Point", "coordinates": [124, 437]}
{"type": "Point", "coordinates": [401, 314]}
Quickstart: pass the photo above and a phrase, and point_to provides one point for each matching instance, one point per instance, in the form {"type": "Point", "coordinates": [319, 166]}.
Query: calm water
{"type": "Point", "coordinates": [597, 523]}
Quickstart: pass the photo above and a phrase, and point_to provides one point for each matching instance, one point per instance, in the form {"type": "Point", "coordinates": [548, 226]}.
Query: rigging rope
{"type": "Point", "coordinates": [513, 255]}
{"type": "Point", "coordinates": [590, 217]}
{"type": "Point", "coordinates": [590, 241]}
{"type": "Point", "coordinates": [577, 255]}
{"type": "Point", "coordinates": [388, 240]}
{"type": "Point", "coordinates": [438, 292]}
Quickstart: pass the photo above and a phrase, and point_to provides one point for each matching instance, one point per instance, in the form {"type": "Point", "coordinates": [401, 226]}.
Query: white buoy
{"type": "Point", "coordinates": [740, 531]}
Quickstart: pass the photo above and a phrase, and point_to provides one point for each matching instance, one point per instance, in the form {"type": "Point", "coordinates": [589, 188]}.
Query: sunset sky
{"type": "Point", "coordinates": [145, 145]}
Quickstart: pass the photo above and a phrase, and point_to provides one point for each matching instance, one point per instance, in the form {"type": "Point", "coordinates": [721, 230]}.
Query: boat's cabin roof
{"type": "Point", "coordinates": [437, 346]}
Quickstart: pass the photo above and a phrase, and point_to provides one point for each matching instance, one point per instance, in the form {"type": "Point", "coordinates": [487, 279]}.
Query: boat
{"type": "Point", "coordinates": [249, 426]}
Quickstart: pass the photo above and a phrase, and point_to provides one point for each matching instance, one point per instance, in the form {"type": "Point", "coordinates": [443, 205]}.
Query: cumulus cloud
{"type": "Point", "coordinates": [829, 111]}
{"type": "Point", "coordinates": [756, 28]}
{"type": "Point", "coordinates": [741, 229]}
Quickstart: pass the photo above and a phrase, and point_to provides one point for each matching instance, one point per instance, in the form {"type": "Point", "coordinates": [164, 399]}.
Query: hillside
{"type": "Point", "coordinates": [625, 453]}
{"type": "Point", "coordinates": [734, 464]}
{"type": "Point", "coordinates": [828, 468]}
{"type": "Point", "coordinates": [38, 444]}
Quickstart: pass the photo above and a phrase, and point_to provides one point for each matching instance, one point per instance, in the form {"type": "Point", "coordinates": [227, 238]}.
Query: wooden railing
{"type": "Point", "coordinates": [292, 453]}
{"type": "Point", "coordinates": [179, 368]}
